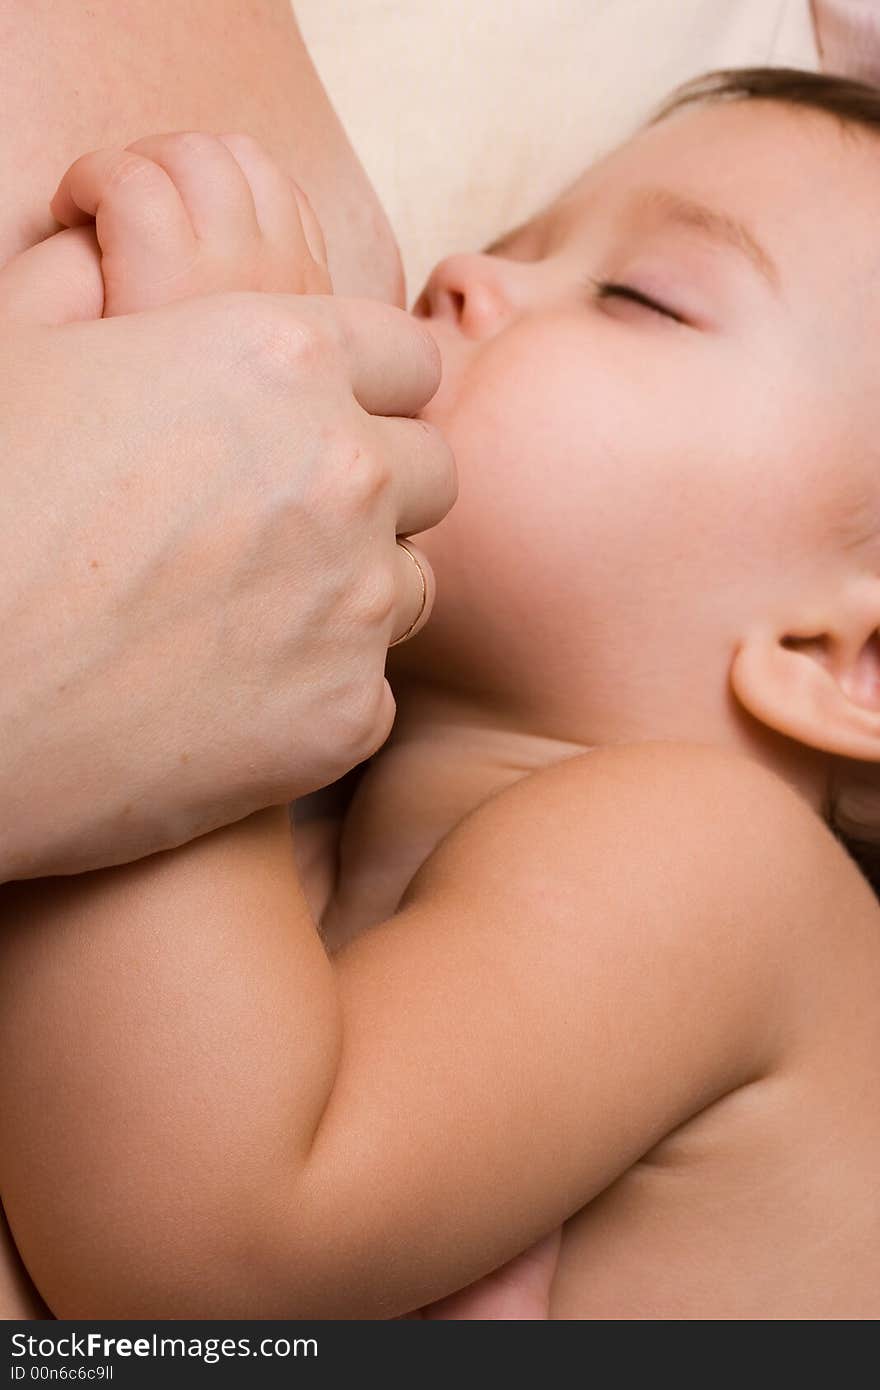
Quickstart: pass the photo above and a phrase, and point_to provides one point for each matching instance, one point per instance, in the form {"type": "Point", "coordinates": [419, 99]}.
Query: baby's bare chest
{"type": "Point", "coordinates": [765, 1207]}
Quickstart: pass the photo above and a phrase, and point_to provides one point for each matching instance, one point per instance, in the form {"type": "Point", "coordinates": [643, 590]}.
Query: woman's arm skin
{"type": "Point", "coordinates": [230, 1124]}
{"type": "Point", "coordinates": [75, 77]}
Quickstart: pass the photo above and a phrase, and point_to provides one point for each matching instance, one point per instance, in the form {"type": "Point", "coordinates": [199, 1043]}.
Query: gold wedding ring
{"type": "Point", "coordinates": [415, 622]}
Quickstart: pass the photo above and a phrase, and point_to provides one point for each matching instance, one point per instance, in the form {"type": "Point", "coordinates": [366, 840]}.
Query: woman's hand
{"type": "Point", "coordinates": [201, 507]}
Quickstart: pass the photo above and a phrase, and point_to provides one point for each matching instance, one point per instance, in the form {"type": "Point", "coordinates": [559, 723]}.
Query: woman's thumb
{"type": "Point", "coordinates": [57, 281]}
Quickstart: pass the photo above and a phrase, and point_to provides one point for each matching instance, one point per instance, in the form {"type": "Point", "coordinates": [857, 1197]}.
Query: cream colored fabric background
{"type": "Point", "coordinates": [848, 34]}
{"type": "Point", "coordinates": [469, 114]}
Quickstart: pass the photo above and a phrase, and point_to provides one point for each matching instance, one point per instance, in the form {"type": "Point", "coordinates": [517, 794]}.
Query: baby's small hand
{"type": "Point", "coordinates": [192, 214]}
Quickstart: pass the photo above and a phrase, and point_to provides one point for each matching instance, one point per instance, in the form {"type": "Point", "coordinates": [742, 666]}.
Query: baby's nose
{"type": "Point", "coordinates": [478, 293]}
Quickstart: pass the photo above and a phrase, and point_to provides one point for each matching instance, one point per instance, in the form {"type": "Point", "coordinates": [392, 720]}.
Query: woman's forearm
{"type": "Point", "coordinates": [75, 77]}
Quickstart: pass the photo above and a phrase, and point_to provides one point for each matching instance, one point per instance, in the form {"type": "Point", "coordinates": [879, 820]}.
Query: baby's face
{"type": "Point", "coordinates": [639, 484]}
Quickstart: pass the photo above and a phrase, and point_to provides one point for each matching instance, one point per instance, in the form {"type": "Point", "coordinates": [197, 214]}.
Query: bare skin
{"type": "Point", "coordinates": [587, 971]}
{"type": "Point", "coordinates": [756, 1207]}
{"type": "Point", "coordinates": [235, 67]}
{"type": "Point", "coordinates": [210, 186]}
{"type": "Point", "coordinates": [18, 1297]}
{"type": "Point", "coordinates": [521, 1289]}
{"type": "Point", "coordinates": [258, 79]}
{"type": "Point", "coordinates": [646, 1248]}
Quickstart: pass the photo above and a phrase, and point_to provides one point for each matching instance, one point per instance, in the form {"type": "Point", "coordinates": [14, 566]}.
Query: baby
{"type": "Point", "coordinates": [594, 954]}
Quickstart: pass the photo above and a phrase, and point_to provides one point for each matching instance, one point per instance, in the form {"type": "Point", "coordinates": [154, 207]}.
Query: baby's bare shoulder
{"type": "Point", "coordinates": [677, 798]}
{"type": "Point", "coordinates": [692, 836]}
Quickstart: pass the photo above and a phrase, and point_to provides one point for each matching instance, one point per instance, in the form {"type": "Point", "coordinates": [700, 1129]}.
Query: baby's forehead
{"type": "Point", "coordinates": [805, 186]}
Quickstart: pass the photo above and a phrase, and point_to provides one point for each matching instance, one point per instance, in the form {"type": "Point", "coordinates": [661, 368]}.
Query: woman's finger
{"type": "Point", "coordinates": [423, 474]}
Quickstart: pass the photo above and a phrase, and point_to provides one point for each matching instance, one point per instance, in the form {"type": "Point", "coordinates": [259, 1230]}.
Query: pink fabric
{"type": "Point", "coordinates": [848, 36]}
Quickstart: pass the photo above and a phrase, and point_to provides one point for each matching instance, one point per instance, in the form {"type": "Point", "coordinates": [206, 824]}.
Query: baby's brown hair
{"type": "Point", "coordinates": [852, 102]}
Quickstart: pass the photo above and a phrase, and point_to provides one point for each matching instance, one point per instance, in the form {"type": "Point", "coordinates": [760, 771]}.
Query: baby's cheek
{"type": "Point", "coordinates": [577, 493]}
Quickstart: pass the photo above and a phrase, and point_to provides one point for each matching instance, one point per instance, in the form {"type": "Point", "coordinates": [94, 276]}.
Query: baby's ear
{"type": "Point", "coordinates": [817, 678]}
{"type": "Point", "coordinates": [57, 281]}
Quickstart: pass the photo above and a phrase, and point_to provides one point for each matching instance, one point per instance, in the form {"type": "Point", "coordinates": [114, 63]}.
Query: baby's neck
{"type": "Point", "coordinates": [446, 756]}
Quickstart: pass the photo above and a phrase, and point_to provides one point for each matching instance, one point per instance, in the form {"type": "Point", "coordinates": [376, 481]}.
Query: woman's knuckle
{"type": "Point", "coordinates": [281, 345]}
{"type": "Point", "coordinates": [363, 478]}
{"type": "Point", "coordinates": [349, 718]}
{"type": "Point", "coordinates": [373, 598]}
{"type": "Point", "coordinates": [370, 717]}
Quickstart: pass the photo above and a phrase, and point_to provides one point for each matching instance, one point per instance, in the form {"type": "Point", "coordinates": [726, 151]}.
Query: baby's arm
{"type": "Point", "coordinates": [230, 1124]}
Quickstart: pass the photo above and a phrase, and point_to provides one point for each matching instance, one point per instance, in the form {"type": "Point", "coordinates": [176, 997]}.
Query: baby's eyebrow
{"type": "Point", "coordinates": [671, 207]}
{"type": "Point", "coordinates": [665, 205]}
